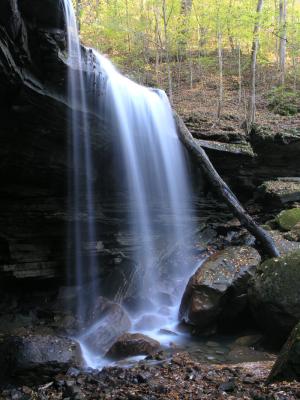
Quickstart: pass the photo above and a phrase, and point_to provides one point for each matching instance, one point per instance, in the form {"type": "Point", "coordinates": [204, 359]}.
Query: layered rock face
{"type": "Point", "coordinates": [247, 162]}
{"type": "Point", "coordinates": [34, 140]}
{"type": "Point", "coordinates": [35, 148]}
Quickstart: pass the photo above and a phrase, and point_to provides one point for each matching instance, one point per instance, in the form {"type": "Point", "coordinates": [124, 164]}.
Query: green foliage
{"type": "Point", "coordinates": [284, 101]}
{"type": "Point", "coordinates": [133, 33]}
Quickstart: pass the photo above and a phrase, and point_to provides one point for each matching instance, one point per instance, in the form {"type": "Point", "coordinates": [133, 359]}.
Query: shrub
{"type": "Point", "coordinates": [284, 101]}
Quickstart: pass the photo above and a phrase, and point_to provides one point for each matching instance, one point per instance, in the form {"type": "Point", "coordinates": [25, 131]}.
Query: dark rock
{"type": "Point", "coordinates": [275, 295]}
{"type": "Point", "coordinates": [248, 341]}
{"type": "Point", "coordinates": [217, 293]}
{"type": "Point", "coordinates": [280, 191]}
{"type": "Point", "coordinates": [132, 344]}
{"type": "Point", "coordinates": [74, 372]}
{"type": "Point", "coordinates": [227, 386]}
{"type": "Point", "coordinates": [16, 395]}
{"type": "Point", "coordinates": [263, 156]}
{"type": "Point", "coordinates": [108, 321]}
{"type": "Point", "coordinates": [294, 233]}
{"type": "Point", "coordinates": [34, 142]}
{"type": "Point", "coordinates": [240, 354]}
{"type": "Point", "coordinates": [287, 365]}
{"type": "Point", "coordinates": [43, 354]}
{"type": "Point", "coordinates": [284, 245]}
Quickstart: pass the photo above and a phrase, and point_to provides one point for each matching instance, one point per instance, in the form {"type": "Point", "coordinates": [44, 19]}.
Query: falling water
{"type": "Point", "coordinates": [81, 179]}
{"type": "Point", "coordinates": [156, 177]}
{"type": "Point", "coordinates": [153, 171]}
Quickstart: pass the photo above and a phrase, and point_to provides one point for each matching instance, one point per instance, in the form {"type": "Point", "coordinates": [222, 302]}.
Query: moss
{"type": "Point", "coordinates": [287, 219]}
{"type": "Point", "coordinates": [278, 280]}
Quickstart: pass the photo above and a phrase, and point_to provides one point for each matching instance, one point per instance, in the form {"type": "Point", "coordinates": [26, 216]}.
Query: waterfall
{"type": "Point", "coordinates": [81, 197]}
{"type": "Point", "coordinates": [154, 172]}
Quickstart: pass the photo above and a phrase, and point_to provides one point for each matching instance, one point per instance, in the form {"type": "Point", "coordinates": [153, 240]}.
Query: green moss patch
{"type": "Point", "coordinates": [287, 219]}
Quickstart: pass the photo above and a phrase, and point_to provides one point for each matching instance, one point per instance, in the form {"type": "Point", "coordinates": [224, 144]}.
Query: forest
{"type": "Point", "coordinates": [150, 199]}
{"type": "Point", "coordinates": [174, 44]}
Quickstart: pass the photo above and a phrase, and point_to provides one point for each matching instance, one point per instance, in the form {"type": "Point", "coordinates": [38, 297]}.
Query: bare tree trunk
{"type": "Point", "coordinates": [221, 88]}
{"type": "Point", "coordinates": [240, 73]}
{"type": "Point", "coordinates": [167, 50]}
{"type": "Point", "coordinates": [191, 72]}
{"type": "Point", "coordinates": [229, 18]}
{"type": "Point", "coordinates": [294, 48]}
{"type": "Point", "coordinates": [252, 100]}
{"type": "Point", "coordinates": [128, 27]}
{"type": "Point", "coordinates": [276, 36]}
{"type": "Point", "coordinates": [186, 8]}
{"type": "Point", "coordinates": [78, 12]}
{"type": "Point", "coordinates": [283, 39]}
{"type": "Point", "coordinates": [223, 190]}
{"type": "Point", "coordinates": [158, 45]}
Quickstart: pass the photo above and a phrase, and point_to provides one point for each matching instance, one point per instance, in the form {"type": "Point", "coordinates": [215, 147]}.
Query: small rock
{"type": "Point", "coordinates": [16, 395]}
{"type": "Point", "coordinates": [74, 372]}
{"type": "Point", "coordinates": [132, 344]}
{"type": "Point", "coordinates": [248, 341]}
{"type": "Point", "coordinates": [227, 386]}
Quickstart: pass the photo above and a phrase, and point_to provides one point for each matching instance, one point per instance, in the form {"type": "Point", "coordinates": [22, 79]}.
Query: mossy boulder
{"type": "Point", "coordinates": [275, 295]}
{"type": "Point", "coordinates": [287, 219]}
{"type": "Point", "coordinates": [287, 365]}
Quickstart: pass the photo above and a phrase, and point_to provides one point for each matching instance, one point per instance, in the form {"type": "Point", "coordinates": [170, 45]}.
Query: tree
{"type": "Point", "coordinates": [167, 50]}
{"type": "Point", "coordinates": [282, 39]}
{"type": "Point", "coordinates": [252, 99]}
{"type": "Point", "coordinates": [220, 58]}
{"type": "Point", "coordinates": [78, 14]}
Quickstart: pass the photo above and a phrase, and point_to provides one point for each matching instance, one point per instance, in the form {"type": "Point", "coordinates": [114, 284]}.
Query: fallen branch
{"type": "Point", "coordinates": [224, 191]}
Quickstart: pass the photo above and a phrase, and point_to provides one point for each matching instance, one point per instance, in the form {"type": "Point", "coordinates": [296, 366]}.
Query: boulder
{"type": "Point", "coordinates": [275, 295]}
{"type": "Point", "coordinates": [132, 344]}
{"type": "Point", "coordinates": [108, 321]}
{"type": "Point", "coordinates": [45, 354]}
{"type": "Point", "coordinates": [294, 233]}
{"type": "Point", "coordinates": [280, 191]}
{"type": "Point", "coordinates": [287, 219]}
{"type": "Point", "coordinates": [284, 243]}
{"type": "Point", "coordinates": [217, 293]}
{"type": "Point", "coordinates": [287, 365]}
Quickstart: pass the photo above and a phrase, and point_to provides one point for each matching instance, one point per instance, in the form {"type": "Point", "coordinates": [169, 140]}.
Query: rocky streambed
{"type": "Point", "coordinates": [236, 313]}
{"type": "Point", "coordinates": [177, 377]}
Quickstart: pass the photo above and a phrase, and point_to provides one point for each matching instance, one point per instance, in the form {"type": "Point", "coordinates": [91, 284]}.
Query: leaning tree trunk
{"type": "Point", "coordinates": [224, 191]}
